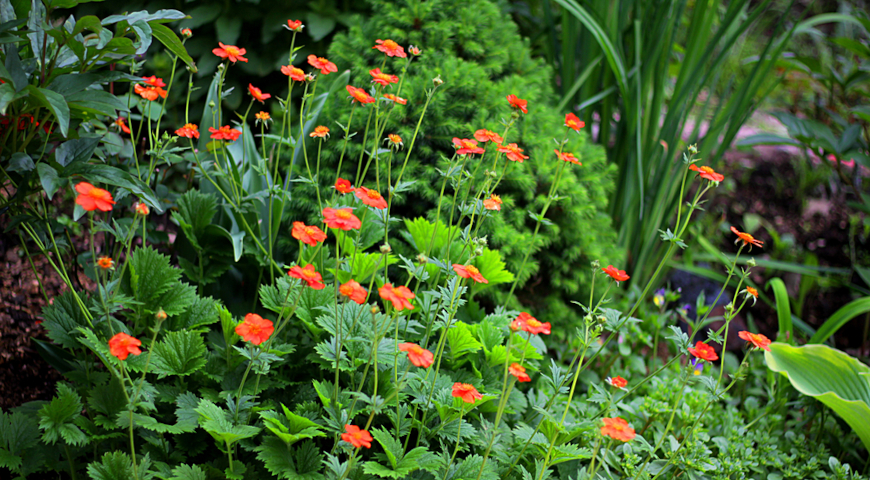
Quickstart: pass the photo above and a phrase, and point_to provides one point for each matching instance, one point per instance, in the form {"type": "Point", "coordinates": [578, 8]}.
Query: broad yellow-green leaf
{"type": "Point", "coordinates": [834, 378]}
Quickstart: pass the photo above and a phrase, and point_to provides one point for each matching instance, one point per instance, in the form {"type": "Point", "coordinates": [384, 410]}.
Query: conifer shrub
{"type": "Point", "coordinates": [478, 53]}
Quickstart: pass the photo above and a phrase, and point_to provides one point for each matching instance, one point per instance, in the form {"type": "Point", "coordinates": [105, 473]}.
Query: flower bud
{"type": "Point", "coordinates": [693, 149]}
{"type": "Point", "coordinates": [160, 316]}
{"type": "Point", "coordinates": [211, 104]}
{"type": "Point", "coordinates": [422, 259]}
{"type": "Point", "coordinates": [751, 262]}
{"type": "Point", "coordinates": [192, 69]}
{"type": "Point", "coordinates": [437, 81]}
{"type": "Point", "coordinates": [310, 77]}
{"type": "Point", "coordinates": [186, 33]}
{"type": "Point", "coordinates": [478, 251]}
{"type": "Point", "coordinates": [596, 264]}
{"type": "Point", "coordinates": [385, 248]}
{"type": "Point", "coordinates": [375, 310]}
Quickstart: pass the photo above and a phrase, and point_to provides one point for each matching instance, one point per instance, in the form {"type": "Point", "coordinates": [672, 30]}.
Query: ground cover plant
{"type": "Point", "coordinates": [364, 353]}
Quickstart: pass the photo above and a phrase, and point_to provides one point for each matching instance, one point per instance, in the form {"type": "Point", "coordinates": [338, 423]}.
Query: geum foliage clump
{"type": "Point", "coordinates": [360, 361]}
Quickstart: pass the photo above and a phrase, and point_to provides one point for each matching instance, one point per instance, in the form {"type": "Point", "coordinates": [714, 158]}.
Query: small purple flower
{"type": "Point", "coordinates": [698, 366]}
{"type": "Point", "coordinates": [659, 297]}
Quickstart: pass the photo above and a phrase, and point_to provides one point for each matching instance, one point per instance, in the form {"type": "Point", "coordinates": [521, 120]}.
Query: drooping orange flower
{"type": "Point", "coordinates": [342, 218]}
{"type": "Point", "coordinates": [617, 382]}
{"type": "Point", "coordinates": [121, 124]}
{"type": "Point", "coordinates": [255, 329]}
{"type": "Point", "coordinates": [518, 103]}
{"type": "Point", "coordinates": [294, 73]}
{"type": "Point", "coordinates": [186, 32]}
{"type": "Point", "coordinates": [307, 275]}
{"type": "Point", "coordinates": [189, 130]}
{"type": "Point", "coordinates": [390, 48]}
{"type": "Point", "coordinates": [92, 198]}
{"type": "Point", "coordinates": [615, 273]}
{"type": "Point", "coordinates": [707, 173]}
{"type": "Point", "coordinates": [383, 78]}
{"type": "Point", "coordinates": [493, 203]}
{"type": "Point", "coordinates": [465, 146]}
{"type": "Point", "coordinates": [466, 392]}
{"type": "Point", "coordinates": [323, 64]}
{"type": "Point", "coordinates": [469, 271]}
{"type": "Point", "coordinates": [567, 157]}
{"type": "Point", "coordinates": [141, 209]}
{"type": "Point", "coordinates": [756, 339]}
{"type": "Point", "coordinates": [399, 100]}
{"type": "Point", "coordinates": [105, 263]}
{"type": "Point", "coordinates": [395, 140]}
{"type": "Point", "coordinates": [258, 94]}
{"type": "Point", "coordinates": [294, 25]}
{"type": "Point", "coordinates": [359, 95]}
{"type": "Point", "coordinates": [704, 352]}
{"type": "Point", "coordinates": [747, 239]}
{"type": "Point", "coordinates": [484, 135]}
{"type": "Point", "coordinates": [519, 372]}
{"type": "Point", "coordinates": [519, 323]}
{"type": "Point", "coordinates": [354, 291]}
{"type": "Point", "coordinates": [224, 133]}
{"type": "Point", "coordinates": [574, 123]}
{"type": "Point", "coordinates": [230, 52]}
{"type": "Point", "coordinates": [122, 345]}
{"type": "Point", "coordinates": [262, 117]}
{"type": "Point", "coordinates": [309, 235]}
{"type": "Point", "coordinates": [357, 437]}
{"type": "Point", "coordinates": [617, 429]}
{"type": "Point", "coordinates": [513, 152]}
{"type": "Point", "coordinates": [371, 197]}
{"type": "Point", "coordinates": [418, 355]}
{"type": "Point", "coordinates": [535, 327]}
{"type": "Point", "coordinates": [320, 132]}
{"type": "Point", "coordinates": [343, 186]}
{"type": "Point", "coordinates": [399, 296]}
{"type": "Point", "coordinates": [149, 93]}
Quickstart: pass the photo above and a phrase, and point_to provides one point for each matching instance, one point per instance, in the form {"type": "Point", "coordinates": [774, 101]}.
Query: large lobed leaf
{"type": "Point", "coordinates": [834, 378]}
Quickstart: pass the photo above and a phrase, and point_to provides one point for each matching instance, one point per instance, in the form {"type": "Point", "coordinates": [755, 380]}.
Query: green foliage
{"type": "Point", "coordinates": [155, 284]}
{"type": "Point", "coordinates": [480, 61]}
{"type": "Point", "coordinates": [178, 353]}
{"type": "Point", "coordinates": [57, 418]}
{"type": "Point", "coordinates": [829, 375]}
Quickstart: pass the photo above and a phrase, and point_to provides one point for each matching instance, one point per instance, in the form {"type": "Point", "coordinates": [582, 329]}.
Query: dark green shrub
{"type": "Point", "coordinates": [477, 52]}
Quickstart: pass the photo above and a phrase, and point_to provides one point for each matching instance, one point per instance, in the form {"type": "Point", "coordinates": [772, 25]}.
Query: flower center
{"type": "Point", "coordinates": [343, 214]}
{"type": "Point", "coordinates": [373, 194]}
{"type": "Point", "coordinates": [390, 44]}
{"type": "Point", "coordinates": [533, 323]}
{"type": "Point", "coordinates": [707, 170]}
{"type": "Point", "coordinates": [322, 60]}
{"type": "Point", "coordinates": [309, 231]}
{"type": "Point", "coordinates": [309, 273]}
{"type": "Point", "coordinates": [472, 270]}
{"type": "Point", "coordinates": [232, 50]}
{"type": "Point", "coordinates": [345, 290]}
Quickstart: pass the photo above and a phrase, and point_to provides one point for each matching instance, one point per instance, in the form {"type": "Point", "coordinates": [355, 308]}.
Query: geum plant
{"type": "Point", "coordinates": [360, 362]}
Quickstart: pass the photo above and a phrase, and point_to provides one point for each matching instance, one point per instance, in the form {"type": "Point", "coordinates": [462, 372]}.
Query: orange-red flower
{"type": "Point", "coordinates": [258, 94]}
{"type": "Point", "coordinates": [105, 263]}
{"type": "Point", "coordinates": [465, 146]}
{"type": "Point", "coordinates": [255, 329]}
{"type": "Point", "coordinates": [519, 371]}
{"type": "Point", "coordinates": [231, 52]}
{"type": "Point", "coordinates": [399, 296]}
{"type": "Point", "coordinates": [617, 382]}
{"type": "Point", "coordinates": [308, 275]}
{"type": "Point", "coordinates": [383, 78]}
{"type": "Point", "coordinates": [519, 323]}
{"type": "Point", "coordinates": [342, 218]}
{"type": "Point", "coordinates": [518, 103]}
{"type": "Point", "coordinates": [484, 135]}
{"type": "Point", "coordinates": [513, 152]}
{"type": "Point", "coordinates": [704, 352]}
{"type": "Point", "coordinates": [357, 437]}
{"type": "Point", "coordinates": [574, 123]}
{"type": "Point", "coordinates": [616, 274]}
{"type": "Point", "coordinates": [323, 64]}
{"type": "Point", "coordinates": [189, 130]}
{"type": "Point", "coordinates": [343, 186]}
{"type": "Point", "coordinates": [391, 48]}
{"type": "Point", "coordinates": [756, 339]}
{"type": "Point", "coordinates": [752, 291]}
{"type": "Point", "coordinates": [359, 95]}
{"type": "Point", "coordinates": [262, 116]}
{"type": "Point", "coordinates": [399, 100]}
{"type": "Point", "coordinates": [371, 197]}
{"type": "Point", "coordinates": [308, 235]}
{"type": "Point", "coordinates": [492, 203]}
{"type": "Point", "coordinates": [617, 429]}
{"type": "Point", "coordinates": [294, 25]}
{"type": "Point", "coordinates": [354, 291]}
{"type": "Point", "coordinates": [747, 238]}
{"type": "Point", "coordinates": [141, 208]}
{"type": "Point", "coordinates": [469, 271]}
{"type": "Point", "coordinates": [149, 93]}
{"type": "Point", "coordinates": [122, 345]}
{"type": "Point", "coordinates": [707, 173]}
{"type": "Point", "coordinates": [92, 198]}
{"type": "Point", "coordinates": [466, 392]}
{"type": "Point", "coordinates": [414, 50]}
{"type": "Point", "coordinates": [535, 327]}
{"type": "Point", "coordinates": [294, 73]}
{"type": "Point", "coordinates": [395, 140]}
{"type": "Point", "coordinates": [224, 133]}
{"type": "Point", "coordinates": [154, 81]}
{"type": "Point", "coordinates": [418, 355]}
{"type": "Point", "coordinates": [320, 132]}
{"type": "Point", "coordinates": [121, 123]}
{"type": "Point", "coordinates": [567, 157]}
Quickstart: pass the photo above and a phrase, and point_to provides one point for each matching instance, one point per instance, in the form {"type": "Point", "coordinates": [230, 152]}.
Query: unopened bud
{"type": "Point", "coordinates": [375, 310]}
{"type": "Point", "coordinates": [729, 307]}
{"type": "Point", "coordinates": [693, 149]}
{"type": "Point", "coordinates": [310, 77]}
{"type": "Point", "coordinates": [422, 259]}
{"type": "Point", "coordinates": [596, 264]}
{"type": "Point", "coordinates": [515, 114]}
{"type": "Point", "coordinates": [211, 104]}
{"type": "Point", "coordinates": [437, 81]}
{"type": "Point", "coordinates": [602, 319]}
{"type": "Point", "coordinates": [192, 69]}
{"type": "Point", "coordinates": [478, 251]}
{"type": "Point", "coordinates": [385, 248]}
{"type": "Point", "coordinates": [160, 315]}
{"type": "Point", "coordinates": [751, 262]}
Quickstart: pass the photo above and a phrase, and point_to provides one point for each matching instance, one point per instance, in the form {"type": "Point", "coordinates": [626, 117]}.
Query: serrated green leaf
{"type": "Point", "coordinates": [178, 353]}
{"type": "Point", "coordinates": [216, 422]}
{"type": "Point", "coordinates": [300, 462]}
{"type": "Point", "coordinates": [56, 418]}
{"type": "Point", "coordinates": [63, 318]}
{"type": "Point", "coordinates": [461, 341]}
{"type": "Point", "coordinates": [149, 275]}
{"type": "Point", "coordinates": [290, 427]}
{"type": "Point", "coordinates": [112, 466]}
{"type": "Point", "coordinates": [195, 213]}
{"type": "Point", "coordinates": [188, 472]}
